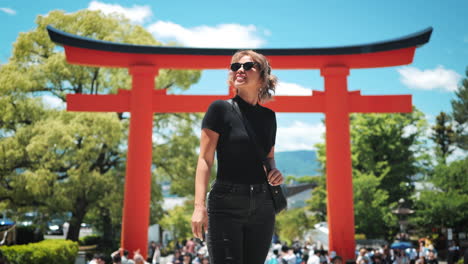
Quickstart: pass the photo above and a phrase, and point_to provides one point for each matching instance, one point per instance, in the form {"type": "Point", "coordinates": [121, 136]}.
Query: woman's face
{"type": "Point", "coordinates": [247, 80]}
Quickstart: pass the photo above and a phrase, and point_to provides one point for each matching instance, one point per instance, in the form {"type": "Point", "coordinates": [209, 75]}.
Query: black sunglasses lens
{"type": "Point", "coordinates": [235, 66]}
{"type": "Point", "coordinates": [248, 65]}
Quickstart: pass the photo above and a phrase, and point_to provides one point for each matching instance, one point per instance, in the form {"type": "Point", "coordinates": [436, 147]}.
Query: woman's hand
{"type": "Point", "coordinates": [275, 177]}
{"type": "Point", "coordinates": [199, 221]}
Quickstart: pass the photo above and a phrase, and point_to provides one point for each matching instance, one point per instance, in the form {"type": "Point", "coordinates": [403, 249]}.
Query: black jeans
{"type": "Point", "coordinates": [241, 220]}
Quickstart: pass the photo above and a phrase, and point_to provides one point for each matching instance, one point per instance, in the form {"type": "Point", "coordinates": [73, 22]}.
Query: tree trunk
{"type": "Point", "coordinates": [107, 229]}
{"type": "Point", "coordinates": [76, 220]}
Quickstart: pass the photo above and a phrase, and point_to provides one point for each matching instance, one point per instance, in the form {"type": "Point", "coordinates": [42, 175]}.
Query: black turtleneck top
{"type": "Point", "coordinates": [238, 160]}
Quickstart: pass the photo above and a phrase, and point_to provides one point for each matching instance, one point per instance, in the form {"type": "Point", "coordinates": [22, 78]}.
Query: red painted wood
{"type": "Point", "coordinates": [340, 206]}
{"type": "Point", "coordinates": [136, 212]}
{"type": "Point", "coordinates": [114, 59]}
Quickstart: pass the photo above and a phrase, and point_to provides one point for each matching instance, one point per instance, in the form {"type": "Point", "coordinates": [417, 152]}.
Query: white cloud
{"type": "Point", "coordinates": [8, 10]}
{"type": "Point", "coordinates": [220, 36]}
{"type": "Point", "coordinates": [299, 136]}
{"type": "Point", "coordinates": [137, 14]}
{"type": "Point", "coordinates": [457, 154]}
{"type": "Point", "coordinates": [53, 102]}
{"type": "Point", "coordinates": [284, 88]}
{"type": "Point", "coordinates": [438, 78]}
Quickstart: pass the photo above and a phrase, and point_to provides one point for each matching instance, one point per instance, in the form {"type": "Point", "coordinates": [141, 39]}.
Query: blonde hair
{"type": "Point", "coordinates": [269, 81]}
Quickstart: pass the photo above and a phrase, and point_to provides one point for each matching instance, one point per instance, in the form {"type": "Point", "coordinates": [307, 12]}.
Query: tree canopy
{"type": "Point", "coordinates": [57, 161]}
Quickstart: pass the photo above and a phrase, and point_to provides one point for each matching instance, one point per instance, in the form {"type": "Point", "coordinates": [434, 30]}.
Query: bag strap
{"type": "Point", "coordinates": [261, 154]}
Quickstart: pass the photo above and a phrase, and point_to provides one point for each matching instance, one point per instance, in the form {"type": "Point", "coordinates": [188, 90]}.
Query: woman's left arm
{"type": "Point", "coordinates": [274, 176]}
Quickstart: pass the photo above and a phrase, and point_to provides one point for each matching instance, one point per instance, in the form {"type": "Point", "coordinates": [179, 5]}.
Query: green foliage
{"type": "Point", "coordinates": [28, 234]}
{"type": "Point", "coordinates": [178, 220]}
{"type": "Point", "coordinates": [387, 152]}
{"type": "Point", "coordinates": [446, 205]}
{"type": "Point", "coordinates": [55, 161]}
{"type": "Point", "coordinates": [318, 202]}
{"type": "Point", "coordinates": [372, 211]}
{"type": "Point", "coordinates": [293, 224]}
{"type": "Point", "coordinates": [460, 113]}
{"type": "Point", "coordinates": [390, 146]}
{"type": "Point", "coordinates": [176, 157]}
{"type": "Point", "coordinates": [90, 240]}
{"type": "Point", "coordinates": [45, 252]}
{"type": "Point", "coordinates": [444, 136]}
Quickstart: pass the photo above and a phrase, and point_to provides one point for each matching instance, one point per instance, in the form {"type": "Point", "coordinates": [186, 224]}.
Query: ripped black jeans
{"type": "Point", "coordinates": [241, 220]}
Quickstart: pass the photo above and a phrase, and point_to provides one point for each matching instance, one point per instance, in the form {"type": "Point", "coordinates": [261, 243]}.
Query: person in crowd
{"type": "Point", "coordinates": [177, 258]}
{"type": "Point", "coordinates": [336, 260]}
{"type": "Point", "coordinates": [362, 257]}
{"type": "Point", "coordinates": [98, 259]}
{"type": "Point", "coordinates": [422, 250]}
{"type": "Point", "coordinates": [323, 256]}
{"type": "Point", "coordinates": [273, 259]}
{"type": "Point", "coordinates": [124, 256]}
{"type": "Point", "coordinates": [240, 215]}
{"type": "Point", "coordinates": [138, 258]}
{"type": "Point", "coordinates": [116, 259]}
{"type": "Point", "coordinates": [190, 246]}
{"type": "Point", "coordinates": [453, 253]}
{"type": "Point", "coordinates": [187, 259]}
{"type": "Point", "coordinates": [412, 254]}
{"type": "Point", "coordinates": [151, 249]}
{"type": "Point", "coordinates": [387, 257]}
{"type": "Point", "coordinates": [200, 255]}
{"type": "Point", "coordinates": [431, 257]}
{"type": "Point", "coordinates": [377, 258]}
{"type": "Point", "coordinates": [287, 255]}
{"type": "Point", "coordinates": [156, 259]}
{"type": "Point", "coordinates": [314, 258]}
{"type": "Point", "coordinates": [421, 260]}
{"type": "Point", "coordinates": [401, 257]}
{"type": "Point", "coordinates": [206, 260]}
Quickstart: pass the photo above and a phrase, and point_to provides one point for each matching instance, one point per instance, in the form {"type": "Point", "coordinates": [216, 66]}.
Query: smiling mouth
{"type": "Point", "coordinates": [240, 77]}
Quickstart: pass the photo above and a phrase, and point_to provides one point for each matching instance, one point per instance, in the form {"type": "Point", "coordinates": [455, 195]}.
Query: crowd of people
{"type": "Point", "coordinates": [194, 251]}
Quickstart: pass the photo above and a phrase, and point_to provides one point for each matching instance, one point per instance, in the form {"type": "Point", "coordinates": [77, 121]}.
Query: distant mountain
{"type": "Point", "coordinates": [297, 163]}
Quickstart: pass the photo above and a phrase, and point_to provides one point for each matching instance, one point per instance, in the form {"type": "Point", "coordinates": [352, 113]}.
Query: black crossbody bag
{"type": "Point", "coordinates": [279, 199]}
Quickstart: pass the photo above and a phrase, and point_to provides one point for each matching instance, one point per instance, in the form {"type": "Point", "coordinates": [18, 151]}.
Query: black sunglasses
{"type": "Point", "coordinates": [247, 66]}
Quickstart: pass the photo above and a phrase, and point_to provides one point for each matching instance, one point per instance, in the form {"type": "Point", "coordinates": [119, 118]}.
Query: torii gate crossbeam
{"type": "Point", "coordinates": [335, 101]}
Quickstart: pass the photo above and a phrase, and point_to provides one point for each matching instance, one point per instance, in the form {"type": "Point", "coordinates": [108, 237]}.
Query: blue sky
{"type": "Point", "coordinates": [432, 78]}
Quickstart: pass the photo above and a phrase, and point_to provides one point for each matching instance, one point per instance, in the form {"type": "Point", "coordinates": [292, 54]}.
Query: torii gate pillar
{"type": "Point", "coordinates": [135, 218]}
{"type": "Point", "coordinates": [340, 208]}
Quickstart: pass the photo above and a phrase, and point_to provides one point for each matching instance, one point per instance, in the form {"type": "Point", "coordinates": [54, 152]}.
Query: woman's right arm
{"type": "Point", "coordinates": [208, 142]}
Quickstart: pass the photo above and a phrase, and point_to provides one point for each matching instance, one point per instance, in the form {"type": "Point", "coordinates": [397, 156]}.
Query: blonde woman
{"type": "Point", "coordinates": [240, 216]}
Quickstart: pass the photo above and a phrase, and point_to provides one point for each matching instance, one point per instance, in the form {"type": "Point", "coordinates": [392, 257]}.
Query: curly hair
{"type": "Point", "coordinates": [269, 81]}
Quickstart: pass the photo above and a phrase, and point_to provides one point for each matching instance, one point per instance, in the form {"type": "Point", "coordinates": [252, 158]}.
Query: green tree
{"type": "Point", "coordinates": [460, 113]}
{"type": "Point", "coordinates": [293, 224]}
{"type": "Point", "coordinates": [318, 201]}
{"type": "Point", "coordinates": [446, 204]}
{"type": "Point", "coordinates": [73, 162]}
{"type": "Point", "coordinates": [443, 135]}
{"type": "Point", "coordinates": [386, 156]}
{"type": "Point", "coordinates": [372, 211]}
{"type": "Point", "coordinates": [178, 221]}
{"type": "Point", "coordinates": [391, 147]}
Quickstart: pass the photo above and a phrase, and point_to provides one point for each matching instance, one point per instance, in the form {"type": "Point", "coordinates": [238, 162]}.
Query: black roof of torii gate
{"type": "Point", "coordinates": [64, 38]}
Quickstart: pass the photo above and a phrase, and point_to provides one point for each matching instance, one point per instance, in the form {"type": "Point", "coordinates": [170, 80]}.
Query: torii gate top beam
{"type": "Point", "coordinates": [91, 52]}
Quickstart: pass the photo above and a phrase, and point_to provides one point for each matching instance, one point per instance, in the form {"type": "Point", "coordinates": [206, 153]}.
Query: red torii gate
{"type": "Point", "coordinates": [144, 62]}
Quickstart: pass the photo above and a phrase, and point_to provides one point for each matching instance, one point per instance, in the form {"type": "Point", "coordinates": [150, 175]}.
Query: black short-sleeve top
{"type": "Point", "coordinates": [238, 161]}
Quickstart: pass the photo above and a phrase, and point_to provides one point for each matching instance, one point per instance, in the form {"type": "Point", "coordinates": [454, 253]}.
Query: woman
{"type": "Point", "coordinates": [240, 215]}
